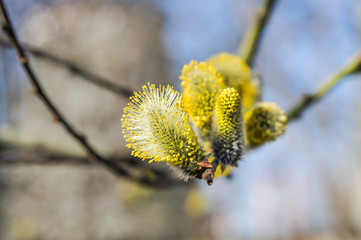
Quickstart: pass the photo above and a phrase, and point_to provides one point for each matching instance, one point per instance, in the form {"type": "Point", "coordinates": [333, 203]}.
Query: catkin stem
{"type": "Point", "coordinates": [249, 45]}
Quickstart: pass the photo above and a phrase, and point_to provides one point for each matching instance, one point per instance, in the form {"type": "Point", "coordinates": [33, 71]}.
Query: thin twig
{"type": "Point", "coordinates": [353, 65]}
{"type": "Point", "coordinates": [73, 68]}
{"type": "Point", "coordinates": [113, 166]}
{"type": "Point", "coordinates": [249, 45]}
{"type": "Point", "coordinates": [14, 154]}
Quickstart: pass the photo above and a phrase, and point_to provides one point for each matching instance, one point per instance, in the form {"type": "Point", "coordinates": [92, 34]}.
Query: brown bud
{"type": "Point", "coordinates": [23, 60]}
{"type": "Point", "coordinates": [205, 164]}
{"type": "Point", "coordinates": [34, 90]}
{"type": "Point", "coordinates": [55, 118]}
{"type": "Point", "coordinates": [208, 176]}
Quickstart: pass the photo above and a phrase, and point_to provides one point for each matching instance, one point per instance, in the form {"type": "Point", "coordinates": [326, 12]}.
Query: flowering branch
{"type": "Point", "coordinates": [249, 45]}
{"type": "Point", "coordinates": [156, 122]}
{"type": "Point", "coordinates": [91, 77]}
{"type": "Point", "coordinates": [353, 65]}
{"type": "Point", "coordinates": [113, 166]}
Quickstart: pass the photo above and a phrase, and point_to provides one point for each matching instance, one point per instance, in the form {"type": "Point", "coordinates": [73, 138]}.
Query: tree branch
{"type": "Point", "coordinates": [353, 65]}
{"type": "Point", "coordinates": [249, 45]}
{"type": "Point", "coordinates": [73, 68]}
{"type": "Point", "coordinates": [113, 166]}
{"type": "Point", "coordinates": [12, 154]}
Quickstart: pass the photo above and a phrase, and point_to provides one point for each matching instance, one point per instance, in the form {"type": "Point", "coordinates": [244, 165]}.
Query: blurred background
{"type": "Point", "coordinates": [303, 186]}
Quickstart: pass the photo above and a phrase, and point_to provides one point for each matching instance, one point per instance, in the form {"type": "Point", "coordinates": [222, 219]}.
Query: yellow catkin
{"type": "Point", "coordinates": [264, 123]}
{"type": "Point", "coordinates": [238, 75]}
{"type": "Point", "coordinates": [157, 128]}
{"type": "Point", "coordinates": [201, 84]}
{"type": "Point", "coordinates": [227, 129]}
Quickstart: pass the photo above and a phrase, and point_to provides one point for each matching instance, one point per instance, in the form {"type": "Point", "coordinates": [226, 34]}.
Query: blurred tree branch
{"type": "Point", "coordinates": [353, 65]}
{"type": "Point", "coordinates": [250, 42]}
{"type": "Point", "coordinates": [113, 166]}
{"type": "Point", "coordinates": [73, 68]}
{"type": "Point", "coordinates": [158, 175]}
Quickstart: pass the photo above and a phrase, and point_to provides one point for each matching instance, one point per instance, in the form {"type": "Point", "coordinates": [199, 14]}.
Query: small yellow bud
{"type": "Point", "coordinates": [264, 123]}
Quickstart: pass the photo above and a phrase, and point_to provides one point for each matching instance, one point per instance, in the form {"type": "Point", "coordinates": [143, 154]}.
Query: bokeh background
{"type": "Point", "coordinates": [303, 186]}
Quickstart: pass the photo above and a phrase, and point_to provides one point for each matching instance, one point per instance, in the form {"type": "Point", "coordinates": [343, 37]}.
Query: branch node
{"type": "Point", "coordinates": [55, 118]}
{"type": "Point", "coordinates": [4, 27]}
{"type": "Point", "coordinates": [73, 69]}
{"type": "Point", "coordinates": [308, 98]}
{"type": "Point", "coordinates": [259, 14]}
{"type": "Point", "coordinates": [34, 90]}
{"type": "Point", "coordinates": [92, 158]}
{"type": "Point", "coordinates": [82, 136]}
